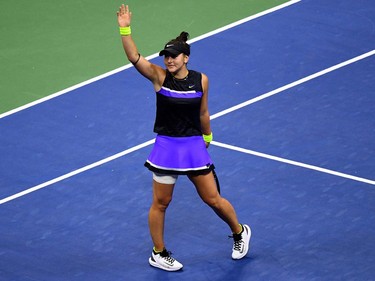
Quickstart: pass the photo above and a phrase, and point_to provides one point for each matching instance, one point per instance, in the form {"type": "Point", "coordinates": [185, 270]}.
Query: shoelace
{"type": "Point", "coordinates": [237, 241]}
{"type": "Point", "coordinates": [237, 245]}
{"type": "Point", "coordinates": [167, 256]}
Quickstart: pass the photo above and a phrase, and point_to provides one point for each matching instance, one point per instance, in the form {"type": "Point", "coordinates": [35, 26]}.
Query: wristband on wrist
{"type": "Point", "coordinates": [208, 138]}
{"type": "Point", "coordinates": [125, 30]}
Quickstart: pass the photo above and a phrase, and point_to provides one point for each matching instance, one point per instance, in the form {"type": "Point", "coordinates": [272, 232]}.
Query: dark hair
{"type": "Point", "coordinates": [177, 46]}
{"type": "Point", "coordinates": [182, 38]}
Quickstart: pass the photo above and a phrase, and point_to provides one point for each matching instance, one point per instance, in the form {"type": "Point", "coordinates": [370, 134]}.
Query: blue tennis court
{"type": "Point", "coordinates": [292, 106]}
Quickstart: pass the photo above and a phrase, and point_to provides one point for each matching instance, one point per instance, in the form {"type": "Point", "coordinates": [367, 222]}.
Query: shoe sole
{"type": "Point", "coordinates": [155, 264]}
{"type": "Point", "coordinates": [247, 244]}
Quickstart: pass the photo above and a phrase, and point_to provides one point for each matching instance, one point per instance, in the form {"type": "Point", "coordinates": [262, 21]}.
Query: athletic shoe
{"type": "Point", "coordinates": [241, 243]}
{"type": "Point", "coordinates": [164, 260]}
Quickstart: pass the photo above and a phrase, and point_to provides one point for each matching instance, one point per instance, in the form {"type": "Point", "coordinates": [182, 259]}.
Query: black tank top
{"type": "Point", "coordinates": [178, 106]}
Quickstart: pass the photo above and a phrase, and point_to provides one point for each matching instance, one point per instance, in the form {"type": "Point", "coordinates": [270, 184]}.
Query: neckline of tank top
{"type": "Point", "coordinates": [181, 79]}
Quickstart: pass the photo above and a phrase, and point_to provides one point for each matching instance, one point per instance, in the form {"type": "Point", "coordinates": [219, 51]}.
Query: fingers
{"type": "Point", "coordinates": [124, 15]}
{"type": "Point", "coordinates": [123, 10]}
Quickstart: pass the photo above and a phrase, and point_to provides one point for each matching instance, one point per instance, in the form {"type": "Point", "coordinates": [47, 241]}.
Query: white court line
{"type": "Point", "coordinates": [92, 80]}
{"type": "Point", "coordinates": [274, 9]}
{"type": "Point", "coordinates": [32, 189]}
{"type": "Point", "coordinates": [296, 83]}
{"type": "Point", "coordinates": [78, 171]}
{"type": "Point", "coordinates": [291, 162]}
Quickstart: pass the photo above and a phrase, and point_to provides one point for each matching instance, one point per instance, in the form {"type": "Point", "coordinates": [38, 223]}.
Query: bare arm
{"type": "Point", "coordinates": [152, 72]}
{"type": "Point", "coordinates": [204, 113]}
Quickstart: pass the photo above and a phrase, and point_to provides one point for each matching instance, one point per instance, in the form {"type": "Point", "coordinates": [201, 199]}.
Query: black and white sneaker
{"type": "Point", "coordinates": [241, 243]}
{"type": "Point", "coordinates": [164, 260]}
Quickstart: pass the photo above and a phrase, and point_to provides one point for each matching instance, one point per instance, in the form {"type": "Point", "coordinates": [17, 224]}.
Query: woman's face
{"type": "Point", "coordinates": [175, 63]}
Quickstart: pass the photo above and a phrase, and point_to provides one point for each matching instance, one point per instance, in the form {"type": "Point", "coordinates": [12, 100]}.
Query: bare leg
{"type": "Point", "coordinates": [206, 188]}
{"type": "Point", "coordinates": [162, 196]}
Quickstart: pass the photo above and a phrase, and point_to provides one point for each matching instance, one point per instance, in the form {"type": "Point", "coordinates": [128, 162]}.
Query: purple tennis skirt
{"type": "Point", "coordinates": [179, 155]}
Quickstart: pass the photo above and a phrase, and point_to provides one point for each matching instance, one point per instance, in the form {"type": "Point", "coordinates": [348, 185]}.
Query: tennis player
{"type": "Point", "coordinates": [183, 131]}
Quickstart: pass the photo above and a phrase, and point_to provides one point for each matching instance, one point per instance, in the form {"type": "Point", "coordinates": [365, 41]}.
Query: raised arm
{"type": "Point", "coordinates": [153, 72]}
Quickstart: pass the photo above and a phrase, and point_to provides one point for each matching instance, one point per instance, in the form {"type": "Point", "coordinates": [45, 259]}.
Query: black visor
{"type": "Point", "coordinates": [175, 49]}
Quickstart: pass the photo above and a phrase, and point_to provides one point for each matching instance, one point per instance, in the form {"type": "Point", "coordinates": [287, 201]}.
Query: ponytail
{"type": "Point", "coordinates": [183, 37]}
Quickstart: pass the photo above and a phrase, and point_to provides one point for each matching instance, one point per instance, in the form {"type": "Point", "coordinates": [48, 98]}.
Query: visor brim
{"type": "Point", "coordinates": [169, 51]}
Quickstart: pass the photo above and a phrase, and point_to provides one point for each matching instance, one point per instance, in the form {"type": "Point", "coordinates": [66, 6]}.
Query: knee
{"type": "Point", "coordinates": [213, 202]}
{"type": "Point", "coordinates": [162, 204]}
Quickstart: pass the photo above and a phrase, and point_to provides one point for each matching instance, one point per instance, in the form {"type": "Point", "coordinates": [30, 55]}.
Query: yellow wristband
{"type": "Point", "coordinates": [125, 30]}
{"type": "Point", "coordinates": [207, 138]}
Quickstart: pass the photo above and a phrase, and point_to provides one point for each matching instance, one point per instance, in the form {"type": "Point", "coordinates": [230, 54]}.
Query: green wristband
{"type": "Point", "coordinates": [208, 138]}
{"type": "Point", "coordinates": [125, 30]}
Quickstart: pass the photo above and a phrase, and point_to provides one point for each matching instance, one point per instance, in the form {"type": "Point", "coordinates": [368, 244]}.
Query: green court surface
{"type": "Point", "coordinates": [48, 46]}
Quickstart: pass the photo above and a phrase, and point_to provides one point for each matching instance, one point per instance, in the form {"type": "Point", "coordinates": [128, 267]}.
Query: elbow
{"type": "Point", "coordinates": [134, 59]}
